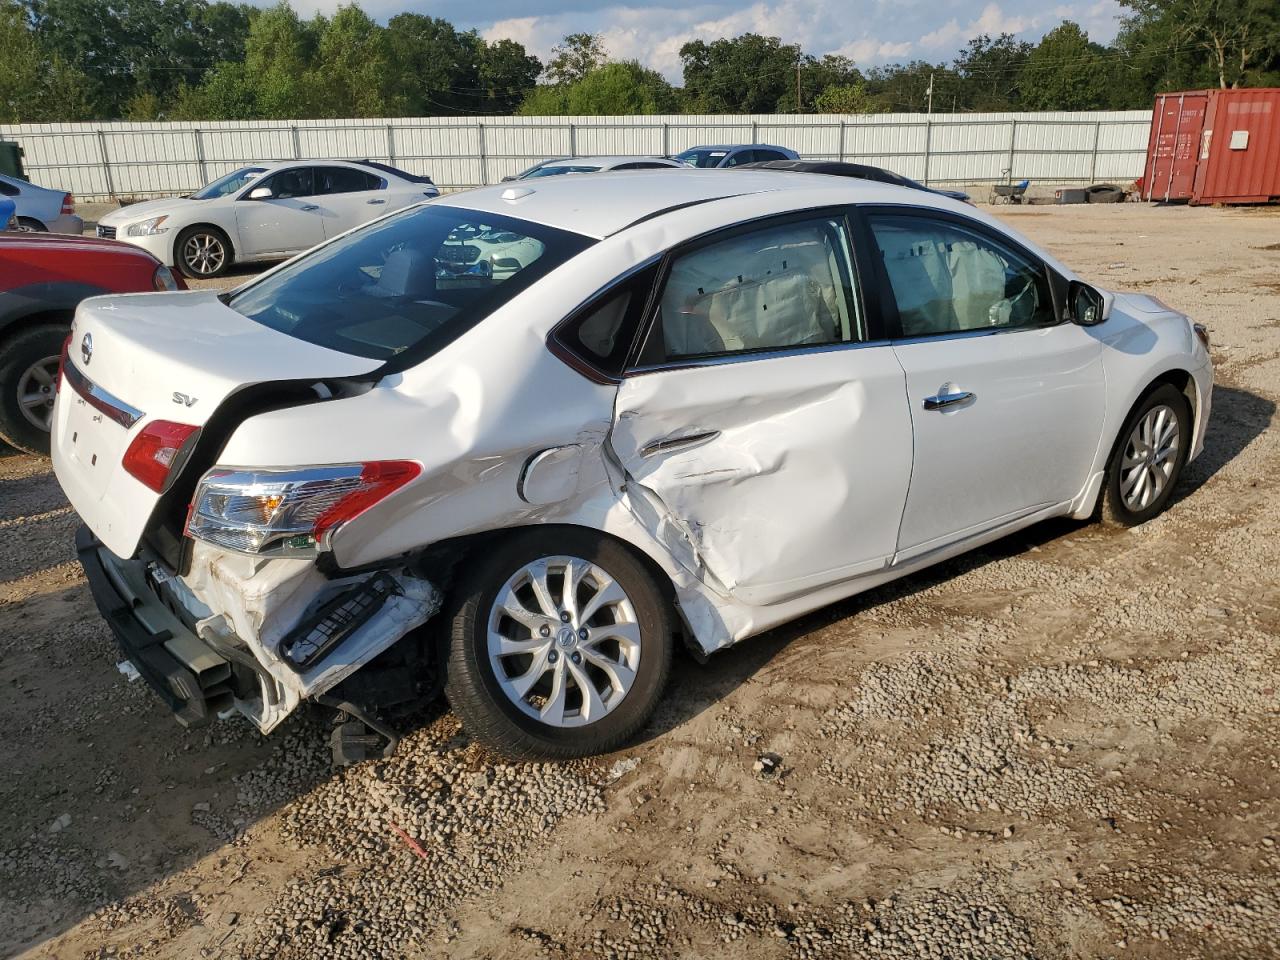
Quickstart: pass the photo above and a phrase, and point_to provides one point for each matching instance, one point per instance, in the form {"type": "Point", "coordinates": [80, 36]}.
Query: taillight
{"type": "Point", "coordinates": [157, 450]}
{"type": "Point", "coordinates": [62, 361]}
{"type": "Point", "coordinates": [1202, 332]}
{"type": "Point", "coordinates": [163, 279]}
{"type": "Point", "coordinates": [289, 512]}
{"type": "Point", "coordinates": [68, 203]}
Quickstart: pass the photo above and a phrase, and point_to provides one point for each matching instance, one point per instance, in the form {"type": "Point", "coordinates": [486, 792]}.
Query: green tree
{"type": "Point", "coordinates": [34, 85]}
{"type": "Point", "coordinates": [748, 74]}
{"type": "Point", "coordinates": [227, 93]}
{"type": "Point", "coordinates": [1234, 42]}
{"type": "Point", "coordinates": [279, 53]}
{"type": "Point", "coordinates": [507, 73]}
{"type": "Point", "coordinates": [904, 87]}
{"type": "Point", "coordinates": [843, 98]}
{"type": "Point", "coordinates": [435, 66]}
{"type": "Point", "coordinates": [1066, 72]}
{"type": "Point", "coordinates": [989, 71]}
{"type": "Point", "coordinates": [576, 56]}
{"type": "Point", "coordinates": [352, 74]}
{"type": "Point", "coordinates": [614, 89]}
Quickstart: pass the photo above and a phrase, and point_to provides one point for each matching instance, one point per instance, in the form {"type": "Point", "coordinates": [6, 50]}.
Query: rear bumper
{"type": "Point", "coordinates": [192, 680]}
{"type": "Point", "coordinates": [66, 223]}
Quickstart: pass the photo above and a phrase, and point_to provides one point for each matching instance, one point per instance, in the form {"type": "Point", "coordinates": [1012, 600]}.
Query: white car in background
{"type": "Point", "coordinates": [266, 211]}
{"type": "Point", "coordinates": [693, 406]}
{"type": "Point", "coordinates": [39, 209]}
{"type": "Point", "coordinates": [567, 165]}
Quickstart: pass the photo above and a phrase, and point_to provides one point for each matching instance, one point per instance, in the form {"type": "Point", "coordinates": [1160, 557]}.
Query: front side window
{"type": "Point", "coordinates": [413, 282]}
{"type": "Point", "coordinates": [229, 184]}
{"type": "Point", "coordinates": [947, 278]}
{"type": "Point", "coordinates": [295, 182]}
{"type": "Point", "coordinates": [773, 288]}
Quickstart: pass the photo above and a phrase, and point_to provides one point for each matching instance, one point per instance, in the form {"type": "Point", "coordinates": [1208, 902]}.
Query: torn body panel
{"type": "Point", "coordinates": [248, 605]}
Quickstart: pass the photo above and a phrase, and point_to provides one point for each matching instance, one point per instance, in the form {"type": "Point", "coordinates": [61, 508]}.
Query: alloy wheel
{"type": "Point", "coordinates": [564, 641]}
{"type": "Point", "coordinates": [1150, 455]}
{"type": "Point", "coordinates": [36, 389]}
{"type": "Point", "coordinates": [204, 254]}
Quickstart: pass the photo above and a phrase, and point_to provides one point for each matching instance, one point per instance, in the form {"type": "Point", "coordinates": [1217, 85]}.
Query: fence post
{"type": "Point", "coordinates": [297, 144]}
{"type": "Point", "coordinates": [755, 132]}
{"type": "Point", "coordinates": [484, 160]}
{"type": "Point", "coordinates": [928, 143]}
{"type": "Point", "coordinates": [1013, 137]}
{"type": "Point", "coordinates": [106, 164]}
{"type": "Point", "coordinates": [204, 170]}
{"type": "Point", "coordinates": [573, 139]}
{"type": "Point", "coordinates": [1093, 161]}
{"type": "Point", "coordinates": [391, 145]}
{"type": "Point", "coordinates": [842, 141]}
{"type": "Point", "coordinates": [666, 139]}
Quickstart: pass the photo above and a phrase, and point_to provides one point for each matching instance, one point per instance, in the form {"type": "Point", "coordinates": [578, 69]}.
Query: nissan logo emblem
{"type": "Point", "coordinates": [86, 348]}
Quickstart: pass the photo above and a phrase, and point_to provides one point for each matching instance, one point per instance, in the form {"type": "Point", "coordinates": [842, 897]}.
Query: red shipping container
{"type": "Point", "coordinates": [1215, 146]}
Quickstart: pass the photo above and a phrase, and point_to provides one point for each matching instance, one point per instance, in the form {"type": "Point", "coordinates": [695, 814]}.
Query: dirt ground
{"type": "Point", "coordinates": [1063, 745]}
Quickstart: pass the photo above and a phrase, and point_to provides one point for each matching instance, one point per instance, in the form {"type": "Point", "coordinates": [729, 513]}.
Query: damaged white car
{"type": "Point", "coordinates": [515, 443]}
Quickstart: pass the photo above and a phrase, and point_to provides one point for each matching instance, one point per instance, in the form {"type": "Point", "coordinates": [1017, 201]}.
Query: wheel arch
{"type": "Point", "coordinates": [230, 235]}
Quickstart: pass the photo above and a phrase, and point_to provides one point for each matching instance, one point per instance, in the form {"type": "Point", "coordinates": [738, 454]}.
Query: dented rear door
{"type": "Point", "coordinates": [786, 473]}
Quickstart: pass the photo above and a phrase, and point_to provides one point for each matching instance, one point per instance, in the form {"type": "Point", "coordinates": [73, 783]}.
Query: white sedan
{"type": "Point", "coordinates": [514, 443]}
{"type": "Point", "coordinates": [267, 211]}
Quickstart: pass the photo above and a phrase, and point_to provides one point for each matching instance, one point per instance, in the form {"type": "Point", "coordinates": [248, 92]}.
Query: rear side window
{"type": "Point", "coordinates": [406, 286]}
{"type": "Point", "coordinates": [345, 180]}
{"type": "Point", "coordinates": [946, 278]}
{"type": "Point", "coordinates": [7, 189]}
{"type": "Point", "coordinates": [597, 339]}
{"type": "Point", "coordinates": [776, 287]}
{"type": "Point", "coordinates": [769, 155]}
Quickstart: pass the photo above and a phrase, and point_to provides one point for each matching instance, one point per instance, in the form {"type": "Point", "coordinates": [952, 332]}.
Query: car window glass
{"type": "Point", "coordinates": [562, 169]}
{"type": "Point", "coordinates": [295, 182]}
{"type": "Point", "coordinates": [946, 278]}
{"type": "Point", "coordinates": [742, 156]}
{"type": "Point", "coordinates": [778, 287]}
{"type": "Point", "coordinates": [8, 189]}
{"type": "Point", "coordinates": [228, 184]}
{"type": "Point", "coordinates": [425, 275]}
{"type": "Point", "coordinates": [768, 155]}
{"type": "Point", "coordinates": [344, 180]}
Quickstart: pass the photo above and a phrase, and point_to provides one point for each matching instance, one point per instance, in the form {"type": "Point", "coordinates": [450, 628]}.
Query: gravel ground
{"type": "Point", "coordinates": [1060, 746]}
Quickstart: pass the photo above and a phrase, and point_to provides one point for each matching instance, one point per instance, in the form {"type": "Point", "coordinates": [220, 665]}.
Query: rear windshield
{"type": "Point", "coordinates": [409, 284]}
{"type": "Point", "coordinates": [560, 169]}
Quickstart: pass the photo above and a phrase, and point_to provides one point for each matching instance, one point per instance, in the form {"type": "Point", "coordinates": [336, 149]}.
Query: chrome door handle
{"type": "Point", "coordinates": [375, 200]}
{"type": "Point", "coordinates": [309, 207]}
{"type": "Point", "coordinates": [942, 401]}
{"type": "Point", "coordinates": [667, 444]}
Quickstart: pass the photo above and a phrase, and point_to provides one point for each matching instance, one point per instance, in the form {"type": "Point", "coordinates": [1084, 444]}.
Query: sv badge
{"type": "Point", "coordinates": [184, 399]}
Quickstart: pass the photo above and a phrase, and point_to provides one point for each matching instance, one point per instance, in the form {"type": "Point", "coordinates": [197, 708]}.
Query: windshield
{"type": "Point", "coordinates": [557, 171]}
{"type": "Point", "coordinates": [229, 184]}
{"type": "Point", "coordinates": [702, 158]}
{"type": "Point", "coordinates": [408, 284]}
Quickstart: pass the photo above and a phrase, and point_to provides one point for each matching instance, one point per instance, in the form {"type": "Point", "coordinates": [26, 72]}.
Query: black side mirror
{"type": "Point", "coordinates": [1088, 307]}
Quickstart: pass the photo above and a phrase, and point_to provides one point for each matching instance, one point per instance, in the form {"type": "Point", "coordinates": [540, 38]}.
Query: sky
{"type": "Point", "coordinates": [870, 32]}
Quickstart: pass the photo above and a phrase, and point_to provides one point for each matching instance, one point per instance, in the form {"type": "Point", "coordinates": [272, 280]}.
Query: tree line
{"type": "Point", "coordinates": [65, 60]}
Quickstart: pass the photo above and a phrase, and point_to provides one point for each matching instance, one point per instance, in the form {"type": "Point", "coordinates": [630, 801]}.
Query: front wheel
{"type": "Point", "coordinates": [561, 645]}
{"type": "Point", "coordinates": [1148, 458]}
{"type": "Point", "coordinates": [203, 253]}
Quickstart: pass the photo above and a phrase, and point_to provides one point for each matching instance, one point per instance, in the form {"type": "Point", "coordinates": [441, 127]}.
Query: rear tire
{"type": "Point", "coordinates": [28, 377]}
{"type": "Point", "coordinates": [528, 687]}
{"type": "Point", "coordinates": [202, 252]}
{"type": "Point", "coordinates": [1148, 458]}
{"type": "Point", "coordinates": [31, 225]}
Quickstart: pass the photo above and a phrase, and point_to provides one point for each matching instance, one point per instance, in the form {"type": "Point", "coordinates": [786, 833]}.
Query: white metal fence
{"type": "Point", "coordinates": [106, 160]}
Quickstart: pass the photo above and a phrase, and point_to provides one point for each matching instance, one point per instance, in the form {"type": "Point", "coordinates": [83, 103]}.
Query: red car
{"type": "Point", "coordinates": [43, 277]}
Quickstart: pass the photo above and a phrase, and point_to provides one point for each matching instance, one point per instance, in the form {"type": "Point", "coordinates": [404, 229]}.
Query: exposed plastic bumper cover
{"type": "Point", "coordinates": [193, 680]}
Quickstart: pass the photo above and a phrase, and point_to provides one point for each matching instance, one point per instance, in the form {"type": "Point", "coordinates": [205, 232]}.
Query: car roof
{"type": "Point", "coordinates": [605, 203]}
{"type": "Point", "coordinates": [602, 161]}
{"type": "Point", "coordinates": [733, 146]}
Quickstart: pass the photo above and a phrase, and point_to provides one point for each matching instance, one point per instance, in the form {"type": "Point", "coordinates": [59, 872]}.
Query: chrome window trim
{"type": "Point", "coordinates": [745, 356]}
{"type": "Point", "coordinates": [122, 413]}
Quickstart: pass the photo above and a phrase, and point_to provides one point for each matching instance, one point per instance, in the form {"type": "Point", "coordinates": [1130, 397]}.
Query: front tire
{"type": "Point", "coordinates": [202, 253]}
{"type": "Point", "coordinates": [1148, 458]}
{"type": "Point", "coordinates": [560, 645]}
{"type": "Point", "coordinates": [28, 379]}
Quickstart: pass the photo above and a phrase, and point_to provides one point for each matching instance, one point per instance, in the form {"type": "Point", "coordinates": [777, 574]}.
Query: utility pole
{"type": "Point", "coordinates": [799, 105]}
{"type": "Point", "coordinates": [929, 94]}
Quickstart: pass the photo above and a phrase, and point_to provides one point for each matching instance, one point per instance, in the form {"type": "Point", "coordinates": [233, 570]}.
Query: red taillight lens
{"type": "Point", "coordinates": [68, 203]}
{"type": "Point", "coordinates": [154, 452]}
{"type": "Point", "coordinates": [62, 362]}
{"type": "Point", "coordinates": [377, 480]}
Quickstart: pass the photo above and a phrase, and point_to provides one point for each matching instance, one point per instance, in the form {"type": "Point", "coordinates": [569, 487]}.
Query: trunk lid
{"type": "Point", "coordinates": [159, 356]}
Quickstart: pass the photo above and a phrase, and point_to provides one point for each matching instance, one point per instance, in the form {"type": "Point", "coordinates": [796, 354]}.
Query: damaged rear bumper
{"type": "Point", "coordinates": [192, 680]}
{"type": "Point", "coordinates": [216, 640]}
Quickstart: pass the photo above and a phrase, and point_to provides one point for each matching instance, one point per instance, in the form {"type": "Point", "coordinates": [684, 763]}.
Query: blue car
{"type": "Point", "coordinates": [734, 155]}
{"type": "Point", "coordinates": [7, 219]}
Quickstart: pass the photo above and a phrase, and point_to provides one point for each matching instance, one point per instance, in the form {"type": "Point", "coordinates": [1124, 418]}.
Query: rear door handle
{"type": "Point", "coordinates": [667, 444]}
{"type": "Point", "coordinates": [309, 207]}
{"type": "Point", "coordinates": [943, 400]}
{"type": "Point", "coordinates": [375, 200]}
